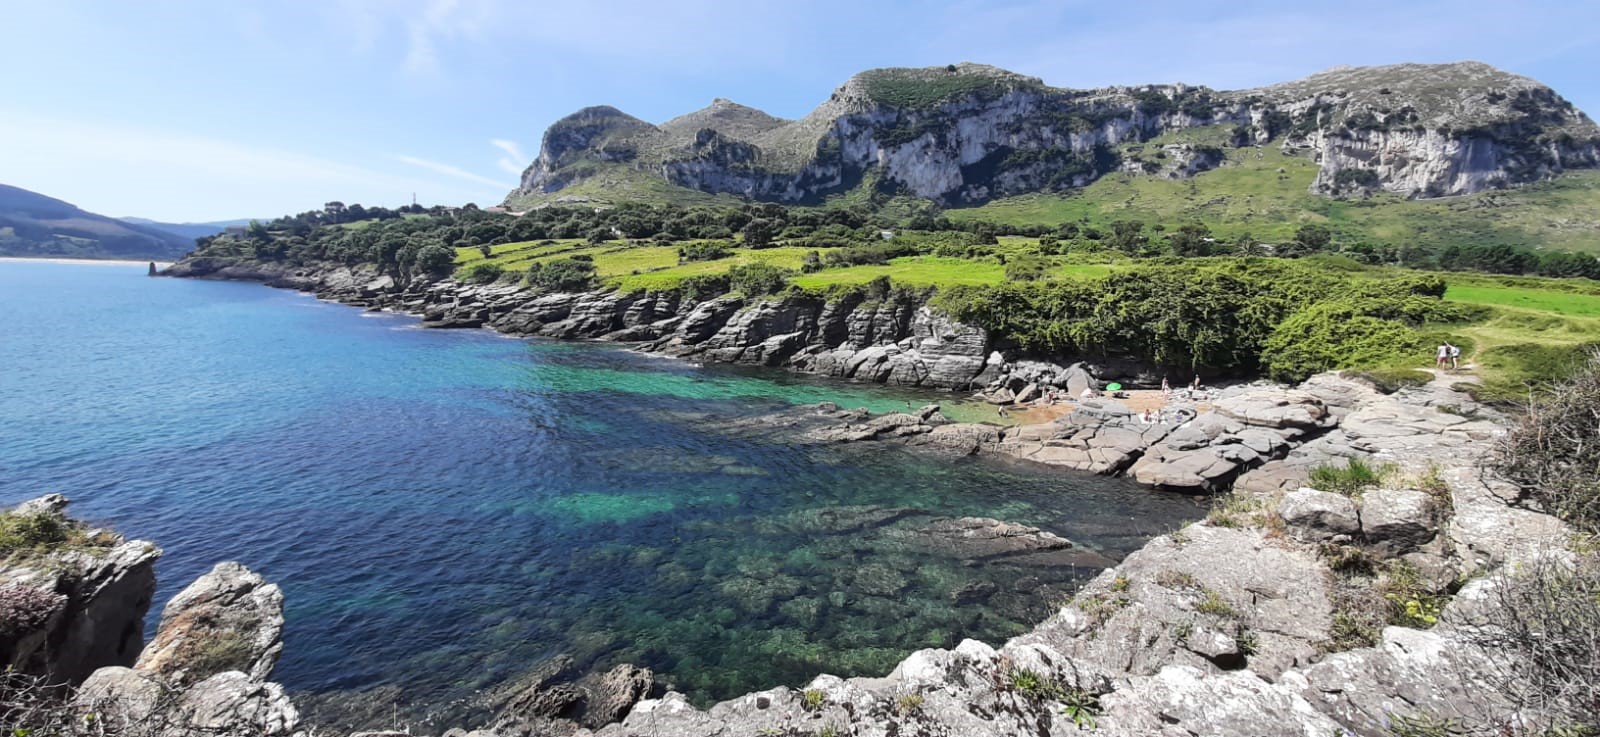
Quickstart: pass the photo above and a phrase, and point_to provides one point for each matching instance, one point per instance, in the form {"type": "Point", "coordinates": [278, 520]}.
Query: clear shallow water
{"type": "Point", "coordinates": [444, 509]}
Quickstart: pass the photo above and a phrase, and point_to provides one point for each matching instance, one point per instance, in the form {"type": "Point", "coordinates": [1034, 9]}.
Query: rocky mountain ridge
{"type": "Point", "coordinates": [967, 133]}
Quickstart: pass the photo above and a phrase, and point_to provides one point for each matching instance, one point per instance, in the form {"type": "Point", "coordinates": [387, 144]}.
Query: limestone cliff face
{"type": "Point", "coordinates": [969, 133]}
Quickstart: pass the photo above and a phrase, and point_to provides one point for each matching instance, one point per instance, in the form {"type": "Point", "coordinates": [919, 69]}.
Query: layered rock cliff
{"type": "Point", "coordinates": [968, 133]}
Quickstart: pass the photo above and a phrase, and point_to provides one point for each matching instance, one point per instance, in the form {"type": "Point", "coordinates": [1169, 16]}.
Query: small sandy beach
{"type": "Point", "coordinates": [1138, 400]}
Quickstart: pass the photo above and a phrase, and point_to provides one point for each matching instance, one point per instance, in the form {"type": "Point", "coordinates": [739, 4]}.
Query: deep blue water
{"type": "Point", "coordinates": [444, 509]}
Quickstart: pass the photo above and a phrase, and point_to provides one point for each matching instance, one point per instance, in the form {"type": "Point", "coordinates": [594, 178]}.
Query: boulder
{"type": "Point", "coordinates": [962, 437]}
{"type": "Point", "coordinates": [609, 697]}
{"type": "Point", "coordinates": [53, 504]}
{"type": "Point", "coordinates": [1028, 393]}
{"type": "Point", "coordinates": [1314, 516]}
{"type": "Point", "coordinates": [1075, 379]}
{"type": "Point", "coordinates": [228, 619]}
{"type": "Point", "coordinates": [1134, 620]}
{"type": "Point", "coordinates": [1409, 673]}
{"type": "Point", "coordinates": [228, 703]}
{"type": "Point", "coordinates": [1276, 408]}
{"type": "Point", "coordinates": [1396, 521]}
{"type": "Point", "coordinates": [1183, 700]}
{"type": "Point", "coordinates": [981, 538]}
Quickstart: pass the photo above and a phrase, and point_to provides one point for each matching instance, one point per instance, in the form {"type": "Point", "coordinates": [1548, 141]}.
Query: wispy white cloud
{"type": "Point", "coordinates": [451, 171]}
{"type": "Point", "coordinates": [123, 170]}
{"type": "Point", "coordinates": [514, 161]}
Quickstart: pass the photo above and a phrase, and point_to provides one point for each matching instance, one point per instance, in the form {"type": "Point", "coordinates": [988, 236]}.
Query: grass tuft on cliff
{"type": "Point", "coordinates": [29, 534]}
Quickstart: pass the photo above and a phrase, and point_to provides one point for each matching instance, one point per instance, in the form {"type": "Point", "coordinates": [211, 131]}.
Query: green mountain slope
{"type": "Point", "coordinates": [32, 224]}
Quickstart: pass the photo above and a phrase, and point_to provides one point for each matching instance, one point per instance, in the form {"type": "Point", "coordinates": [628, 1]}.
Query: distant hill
{"type": "Point", "coordinates": [968, 134]}
{"type": "Point", "coordinates": [191, 230]}
{"type": "Point", "coordinates": [32, 224]}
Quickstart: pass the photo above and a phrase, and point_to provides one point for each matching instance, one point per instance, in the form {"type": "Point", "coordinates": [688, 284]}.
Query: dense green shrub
{"type": "Point", "coordinates": [19, 532]}
{"type": "Point", "coordinates": [1216, 315]}
{"type": "Point", "coordinates": [1026, 267]}
{"type": "Point", "coordinates": [434, 259]}
{"type": "Point", "coordinates": [562, 275]}
{"type": "Point", "coordinates": [703, 251]}
{"type": "Point", "coordinates": [1335, 334]}
{"type": "Point", "coordinates": [701, 287]}
{"type": "Point", "coordinates": [484, 273]}
{"type": "Point", "coordinates": [758, 279]}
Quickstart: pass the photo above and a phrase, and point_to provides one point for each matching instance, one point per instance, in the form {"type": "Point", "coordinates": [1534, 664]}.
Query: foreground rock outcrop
{"type": "Point", "coordinates": [207, 669]}
{"type": "Point", "coordinates": [77, 604]}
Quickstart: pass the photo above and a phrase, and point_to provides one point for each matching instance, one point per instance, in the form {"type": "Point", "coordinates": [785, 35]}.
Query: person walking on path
{"type": "Point", "coordinates": [1442, 355]}
{"type": "Point", "coordinates": [1455, 357]}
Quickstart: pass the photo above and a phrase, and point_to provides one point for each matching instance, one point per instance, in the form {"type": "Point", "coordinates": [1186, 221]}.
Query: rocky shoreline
{"type": "Point", "coordinates": [1260, 436]}
{"type": "Point", "coordinates": [890, 341]}
{"type": "Point", "coordinates": [1289, 610]}
{"type": "Point", "coordinates": [1251, 622]}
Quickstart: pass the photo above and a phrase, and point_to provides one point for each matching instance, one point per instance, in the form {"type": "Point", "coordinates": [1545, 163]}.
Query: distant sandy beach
{"type": "Point", "coordinates": [106, 261]}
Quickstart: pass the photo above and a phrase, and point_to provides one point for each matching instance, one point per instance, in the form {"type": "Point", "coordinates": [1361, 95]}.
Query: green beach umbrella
{"type": "Point", "coordinates": [1113, 387]}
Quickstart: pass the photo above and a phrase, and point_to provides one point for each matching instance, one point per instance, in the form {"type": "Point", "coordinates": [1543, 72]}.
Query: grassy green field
{"type": "Point", "coordinates": [1528, 299]}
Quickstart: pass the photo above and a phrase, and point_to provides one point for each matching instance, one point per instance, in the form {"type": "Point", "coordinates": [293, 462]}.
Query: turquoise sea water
{"type": "Point", "coordinates": [446, 509]}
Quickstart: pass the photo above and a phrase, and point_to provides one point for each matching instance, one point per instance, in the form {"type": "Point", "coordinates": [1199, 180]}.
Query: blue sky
{"type": "Point", "coordinates": [189, 111]}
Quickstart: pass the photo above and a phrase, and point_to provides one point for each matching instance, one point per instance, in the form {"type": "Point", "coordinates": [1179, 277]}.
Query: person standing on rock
{"type": "Point", "coordinates": [1166, 388]}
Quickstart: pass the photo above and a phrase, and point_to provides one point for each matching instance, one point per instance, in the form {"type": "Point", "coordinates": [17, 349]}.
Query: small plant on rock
{"type": "Point", "coordinates": [908, 704]}
{"type": "Point", "coordinates": [1212, 603]}
{"type": "Point", "coordinates": [812, 699]}
{"type": "Point", "coordinates": [1177, 580]}
{"type": "Point", "coordinates": [1348, 633]}
{"type": "Point", "coordinates": [1411, 604]}
{"type": "Point", "coordinates": [1029, 683]}
{"type": "Point", "coordinates": [1423, 724]}
{"type": "Point", "coordinates": [1346, 559]}
{"type": "Point", "coordinates": [1082, 707]}
{"type": "Point", "coordinates": [1351, 479]}
{"type": "Point", "coordinates": [1249, 644]}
